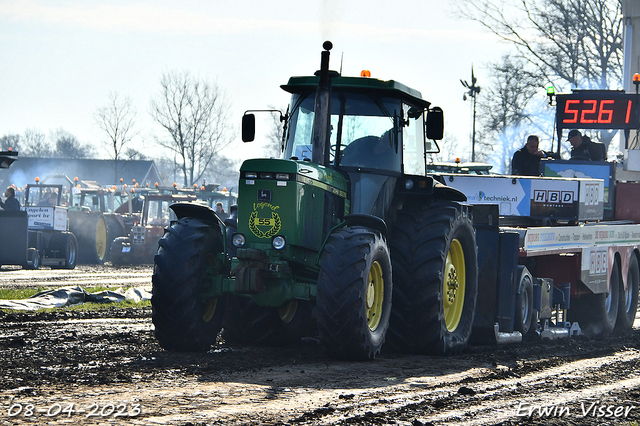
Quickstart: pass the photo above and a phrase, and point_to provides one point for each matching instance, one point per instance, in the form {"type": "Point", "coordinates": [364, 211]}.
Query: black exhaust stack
{"type": "Point", "coordinates": [322, 118]}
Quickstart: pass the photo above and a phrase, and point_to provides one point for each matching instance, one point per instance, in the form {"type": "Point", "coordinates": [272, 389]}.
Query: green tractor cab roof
{"type": "Point", "coordinates": [359, 84]}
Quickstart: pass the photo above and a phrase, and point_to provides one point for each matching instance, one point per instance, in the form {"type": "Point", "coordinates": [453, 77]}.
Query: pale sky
{"type": "Point", "coordinates": [60, 59]}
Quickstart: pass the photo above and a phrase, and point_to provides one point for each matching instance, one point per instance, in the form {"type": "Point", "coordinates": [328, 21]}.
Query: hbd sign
{"type": "Point", "coordinates": [552, 196]}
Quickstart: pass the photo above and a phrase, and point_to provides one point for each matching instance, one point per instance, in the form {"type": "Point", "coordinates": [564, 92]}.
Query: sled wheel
{"type": "Point", "coordinates": [628, 304]}
{"type": "Point", "coordinates": [354, 293]}
{"type": "Point", "coordinates": [597, 313]}
{"type": "Point", "coordinates": [67, 248]}
{"type": "Point", "coordinates": [435, 277]}
{"type": "Point", "coordinates": [524, 302]}
{"type": "Point", "coordinates": [33, 256]}
{"type": "Point", "coordinates": [183, 319]}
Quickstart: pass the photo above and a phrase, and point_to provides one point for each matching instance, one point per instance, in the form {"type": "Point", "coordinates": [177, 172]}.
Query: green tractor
{"type": "Point", "coordinates": [327, 236]}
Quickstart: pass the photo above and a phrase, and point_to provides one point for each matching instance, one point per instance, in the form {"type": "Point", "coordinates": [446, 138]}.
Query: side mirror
{"type": "Point", "coordinates": [248, 127]}
{"type": "Point", "coordinates": [435, 124]}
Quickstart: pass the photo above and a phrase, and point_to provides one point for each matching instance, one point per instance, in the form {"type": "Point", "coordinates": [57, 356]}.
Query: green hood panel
{"type": "Point", "coordinates": [292, 206]}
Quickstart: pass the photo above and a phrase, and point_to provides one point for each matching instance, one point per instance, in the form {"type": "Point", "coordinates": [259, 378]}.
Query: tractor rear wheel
{"type": "Point", "coordinates": [354, 293]}
{"type": "Point", "coordinates": [91, 232]}
{"type": "Point", "coordinates": [247, 323]}
{"type": "Point", "coordinates": [628, 304]}
{"type": "Point", "coordinates": [184, 320]}
{"type": "Point", "coordinates": [435, 277]}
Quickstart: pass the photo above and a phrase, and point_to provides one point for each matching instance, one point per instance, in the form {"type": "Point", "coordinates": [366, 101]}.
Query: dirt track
{"type": "Point", "coordinates": [90, 368]}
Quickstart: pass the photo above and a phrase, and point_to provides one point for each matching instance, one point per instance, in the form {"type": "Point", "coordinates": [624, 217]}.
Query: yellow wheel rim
{"type": "Point", "coordinates": [454, 286]}
{"type": "Point", "coordinates": [288, 311]}
{"type": "Point", "coordinates": [101, 239]}
{"type": "Point", "coordinates": [375, 296]}
{"type": "Point", "coordinates": [210, 309]}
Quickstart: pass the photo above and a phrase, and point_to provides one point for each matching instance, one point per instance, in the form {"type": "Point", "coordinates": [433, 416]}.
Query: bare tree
{"type": "Point", "coordinates": [274, 137]}
{"type": "Point", "coordinates": [504, 117]}
{"type": "Point", "coordinates": [10, 141]}
{"type": "Point", "coordinates": [68, 146]}
{"type": "Point", "coordinates": [134, 154]}
{"type": "Point", "coordinates": [195, 114]}
{"type": "Point", "coordinates": [117, 120]}
{"type": "Point", "coordinates": [449, 150]}
{"type": "Point", "coordinates": [578, 42]}
{"type": "Point", "coordinates": [34, 144]}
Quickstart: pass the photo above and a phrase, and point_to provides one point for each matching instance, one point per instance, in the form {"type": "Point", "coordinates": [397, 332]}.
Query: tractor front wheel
{"type": "Point", "coordinates": [184, 320]}
{"type": "Point", "coordinates": [354, 293]}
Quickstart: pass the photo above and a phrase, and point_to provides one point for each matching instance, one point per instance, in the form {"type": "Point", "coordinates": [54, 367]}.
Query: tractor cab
{"type": "Point", "coordinates": [374, 125]}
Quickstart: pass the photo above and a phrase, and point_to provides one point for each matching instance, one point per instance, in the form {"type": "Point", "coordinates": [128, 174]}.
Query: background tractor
{"type": "Point", "coordinates": [327, 235]}
{"type": "Point", "coordinates": [141, 243]}
{"type": "Point", "coordinates": [38, 234]}
{"type": "Point", "coordinates": [93, 220]}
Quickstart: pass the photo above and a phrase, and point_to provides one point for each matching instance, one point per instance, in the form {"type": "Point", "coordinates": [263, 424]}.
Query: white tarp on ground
{"type": "Point", "coordinates": [67, 296]}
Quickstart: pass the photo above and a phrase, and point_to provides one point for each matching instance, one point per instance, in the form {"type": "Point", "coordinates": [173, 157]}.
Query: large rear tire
{"type": "Point", "coordinates": [115, 229]}
{"type": "Point", "coordinates": [91, 232]}
{"type": "Point", "coordinates": [354, 293]}
{"type": "Point", "coordinates": [184, 320]}
{"type": "Point", "coordinates": [435, 277]}
{"type": "Point", "coordinates": [628, 304]}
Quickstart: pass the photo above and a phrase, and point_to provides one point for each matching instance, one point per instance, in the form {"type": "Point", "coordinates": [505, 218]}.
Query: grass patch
{"type": "Point", "coordinates": [25, 293]}
{"type": "Point", "coordinates": [90, 306]}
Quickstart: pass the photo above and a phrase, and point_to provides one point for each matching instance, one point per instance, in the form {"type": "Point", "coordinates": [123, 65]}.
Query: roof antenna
{"type": "Point", "coordinates": [341, 59]}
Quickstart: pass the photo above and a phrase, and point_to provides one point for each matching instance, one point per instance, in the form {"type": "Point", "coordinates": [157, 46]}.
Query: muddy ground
{"type": "Point", "coordinates": [105, 367]}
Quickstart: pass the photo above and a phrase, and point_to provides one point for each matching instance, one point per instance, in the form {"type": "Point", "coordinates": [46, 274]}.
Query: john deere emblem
{"type": "Point", "coordinates": [264, 226]}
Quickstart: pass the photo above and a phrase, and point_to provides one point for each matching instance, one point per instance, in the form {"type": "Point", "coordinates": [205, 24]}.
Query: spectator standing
{"type": "Point", "coordinates": [11, 202]}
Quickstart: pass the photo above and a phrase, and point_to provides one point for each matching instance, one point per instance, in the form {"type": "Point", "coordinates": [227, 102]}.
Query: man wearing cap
{"type": "Point", "coordinates": [585, 149]}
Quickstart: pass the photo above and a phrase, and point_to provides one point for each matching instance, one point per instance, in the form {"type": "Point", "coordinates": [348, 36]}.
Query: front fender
{"type": "Point", "coordinates": [203, 213]}
{"type": "Point", "coordinates": [196, 211]}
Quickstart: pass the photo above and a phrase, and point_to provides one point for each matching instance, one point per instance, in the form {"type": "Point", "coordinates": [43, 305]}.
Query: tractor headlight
{"type": "Point", "coordinates": [238, 240]}
{"type": "Point", "coordinates": [408, 184]}
{"type": "Point", "coordinates": [278, 242]}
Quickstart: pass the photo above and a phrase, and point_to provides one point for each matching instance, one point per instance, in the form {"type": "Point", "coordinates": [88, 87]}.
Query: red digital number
{"type": "Point", "coordinates": [597, 111]}
{"type": "Point", "coordinates": [568, 110]}
{"type": "Point", "coordinates": [605, 115]}
{"type": "Point", "coordinates": [594, 107]}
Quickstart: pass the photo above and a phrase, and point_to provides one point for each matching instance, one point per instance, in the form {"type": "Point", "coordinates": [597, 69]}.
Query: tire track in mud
{"type": "Point", "coordinates": [112, 357]}
{"type": "Point", "coordinates": [84, 275]}
{"type": "Point", "coordinates": [493, 401]}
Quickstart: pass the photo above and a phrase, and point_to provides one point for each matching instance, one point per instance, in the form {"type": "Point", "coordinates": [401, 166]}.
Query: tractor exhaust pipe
{"type": "Point", "coordinates": [322, 118]}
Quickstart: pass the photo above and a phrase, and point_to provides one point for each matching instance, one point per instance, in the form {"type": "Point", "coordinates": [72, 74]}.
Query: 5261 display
{"type": "Point", "coordinates": [595, 109]}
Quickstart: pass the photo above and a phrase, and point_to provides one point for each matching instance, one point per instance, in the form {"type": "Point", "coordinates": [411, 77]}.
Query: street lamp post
{"type": "Point", "coordinates": [472, 92]}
